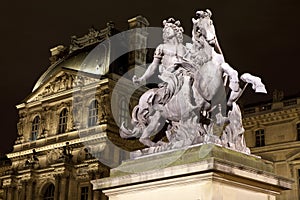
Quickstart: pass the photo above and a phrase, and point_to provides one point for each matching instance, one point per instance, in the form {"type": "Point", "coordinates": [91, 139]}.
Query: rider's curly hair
{"type": "Point", "coordinates": [175, 25]}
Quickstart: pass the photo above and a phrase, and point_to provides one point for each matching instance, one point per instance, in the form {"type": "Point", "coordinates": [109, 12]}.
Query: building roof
{"type": "Point", "coordinates": [80, 55]}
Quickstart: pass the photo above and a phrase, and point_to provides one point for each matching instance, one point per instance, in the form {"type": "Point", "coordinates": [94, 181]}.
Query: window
{"type": "Point", "coordinates": [298, 131]}
{"type": "Point", "coordinates": [93, 113]}
{"type": "Point", "coordinates": [84, 193]}
{"type": "Point", "coordinates": [63, 118]}
{"type": "Point", "coordinates": [49, 193]}
{"type": "Point", "coordinates": [123, 112]}
{"type": "Point", "coordinates": [260, 138]}
{"type": "Point", "coordinates": [35, 128]}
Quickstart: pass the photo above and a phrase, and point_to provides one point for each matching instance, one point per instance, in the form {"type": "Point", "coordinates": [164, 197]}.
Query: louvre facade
{"type": "Point", "coordinates": [273, 132]}
{"type": "Point", "coordinates": [66, 126]}
{"type": "Point", "coordinates": [68, 131]}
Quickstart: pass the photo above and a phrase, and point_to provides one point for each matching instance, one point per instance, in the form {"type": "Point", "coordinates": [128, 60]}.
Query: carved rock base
{"type": "Point", "coordinates": [197, 141]}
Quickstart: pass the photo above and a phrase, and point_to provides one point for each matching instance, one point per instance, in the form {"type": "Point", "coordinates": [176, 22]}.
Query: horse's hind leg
{"type": "Point", "coordinates": [234, 95]}
{"type": "Point", "coordinates": [155, 125]}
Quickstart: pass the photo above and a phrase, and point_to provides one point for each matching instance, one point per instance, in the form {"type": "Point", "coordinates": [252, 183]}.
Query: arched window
{"type": "Point", "coordinates": [35, 128]}
{"type": "Point", "coordinates": [123, 111]}
{"type": "Point", "coordinates": [63, 119]}
{"type": "Point", "coordinates": [49, 193]}
{"type": "Point", "coordinates": [260, 138]}
{"type": "Point", "coordinates": [93, 113]}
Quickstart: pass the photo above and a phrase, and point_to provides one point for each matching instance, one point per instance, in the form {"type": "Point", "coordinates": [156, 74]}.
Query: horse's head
{"type": "Point", "coordinates": [203, 27]}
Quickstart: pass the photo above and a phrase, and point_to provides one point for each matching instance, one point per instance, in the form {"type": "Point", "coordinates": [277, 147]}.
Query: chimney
{"type": "Point", "coordinates": [57, 53]}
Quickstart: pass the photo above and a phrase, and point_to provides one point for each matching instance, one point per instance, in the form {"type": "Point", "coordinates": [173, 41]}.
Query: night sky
{"type": "Point", "coordinates": [256, 36]}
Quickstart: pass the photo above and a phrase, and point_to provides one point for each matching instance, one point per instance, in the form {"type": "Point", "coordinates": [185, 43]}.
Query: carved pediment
{"type": "Point", "coordinates": [61, 82]}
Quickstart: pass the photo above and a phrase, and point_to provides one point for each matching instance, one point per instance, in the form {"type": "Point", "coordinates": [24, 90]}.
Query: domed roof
{"type": "Point", "coordinates": [85, 55]}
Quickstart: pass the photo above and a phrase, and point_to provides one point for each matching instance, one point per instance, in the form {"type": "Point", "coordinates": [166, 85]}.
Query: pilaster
{"type": "Point", "coordinates": [57, 186]}
{"type": "Point", "coordinates": [29, 190]}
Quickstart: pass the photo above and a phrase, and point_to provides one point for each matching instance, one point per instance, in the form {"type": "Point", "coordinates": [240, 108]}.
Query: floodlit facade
{"type": "Point", "coordinates": [66, 127]}
{"type": "Point", "coordinates": [273, 132]}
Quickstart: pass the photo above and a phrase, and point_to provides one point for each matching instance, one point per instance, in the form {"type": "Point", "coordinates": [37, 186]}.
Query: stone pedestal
{"type": "Point", "coordinates": [196, 173]}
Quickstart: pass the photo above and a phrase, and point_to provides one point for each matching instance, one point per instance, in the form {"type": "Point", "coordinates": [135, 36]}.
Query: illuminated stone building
{"type": "Point", "coordinates": [66, 124]}
{"type": "Point", "coordinates": [273, 132]}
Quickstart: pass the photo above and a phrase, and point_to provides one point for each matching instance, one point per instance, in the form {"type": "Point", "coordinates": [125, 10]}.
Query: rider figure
{"type": "Point", "coordinates": [166, 60]}
{"type": "Point", "coordinates": [167, 54]}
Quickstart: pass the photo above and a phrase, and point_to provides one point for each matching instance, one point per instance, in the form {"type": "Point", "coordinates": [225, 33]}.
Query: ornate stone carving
{"type": "Point", "coordinates": [104, 107]}
{"type": "Point", "coordinates": [83, 155]}
{"type": "Point", "coordinates": [192, 88]}
{"type": "Point", "coordinates": [45, 122]}
{"type": "Point", "coordinates": [77, 110]}
{"type": "Point", "coordinates": [53, 156]}
{"type": "Point", "coordinates": [63, 154]}
{"type": "Point", "coordinates": [66, 153]}
{"type": "Point", "coordinates": [21, 123]}
{"type": "Point", "coordinates": [92, 37]}
{"type": "Point", "coordinates": [20, 140]}
{"type": "Point", "coordinates": [60, 83]}
{"type": "Point", "coordinates": [32, 161]}
{"type": "Point", "coordinates": [64, 82]}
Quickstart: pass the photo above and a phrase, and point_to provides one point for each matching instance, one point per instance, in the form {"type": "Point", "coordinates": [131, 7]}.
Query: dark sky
{"type": "Point", "coordinates": [256, 36]}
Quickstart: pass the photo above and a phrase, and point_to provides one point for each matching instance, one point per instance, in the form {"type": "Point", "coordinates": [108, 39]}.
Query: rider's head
{"type": "Point", "coordinates": [172, 28]}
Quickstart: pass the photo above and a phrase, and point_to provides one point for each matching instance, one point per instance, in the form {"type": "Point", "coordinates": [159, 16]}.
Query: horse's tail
{"type": "Point", "coordinates": [137, 130]}
{"type": "Point", "coordinates": [124, 132]}
{"type": "Point", "coordinates": [127, 133]}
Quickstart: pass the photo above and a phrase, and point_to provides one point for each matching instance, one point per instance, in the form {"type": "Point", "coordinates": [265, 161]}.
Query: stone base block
{"type": "Point", "coordinates": [197, 173]}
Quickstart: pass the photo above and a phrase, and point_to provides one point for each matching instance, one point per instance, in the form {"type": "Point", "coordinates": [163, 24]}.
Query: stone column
{"type": "Point", "coordinates": [96, 195]}
{"type": "Point", "coordinates": [23, 190]}
{"type": "Point", "coordinates": [90, 197]}
{"type": "Point", "coordinates": [63, 187]}
{"type": "Point", "coordinates": [16, 193]}
{"type": "Point", "coordinates": [56, 190]}
{"type": "Point", "coordinates": [5, 192]}
{"type": "Point", "coordinates": [72, 188]}
{"type": "Point", "coordinates": [91, 174]}
{"type": "Point", "coordinates": [10, 193]}
{"type": "Point", "coordinates": [29, 190]}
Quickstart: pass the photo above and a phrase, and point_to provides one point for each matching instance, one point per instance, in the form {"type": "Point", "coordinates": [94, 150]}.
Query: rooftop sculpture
{"type": "Point", "coordinates": [189, 101]}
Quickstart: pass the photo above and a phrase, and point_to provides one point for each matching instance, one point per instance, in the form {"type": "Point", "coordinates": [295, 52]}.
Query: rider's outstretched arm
{"type": "Point", "coordinates": [148, 73]}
